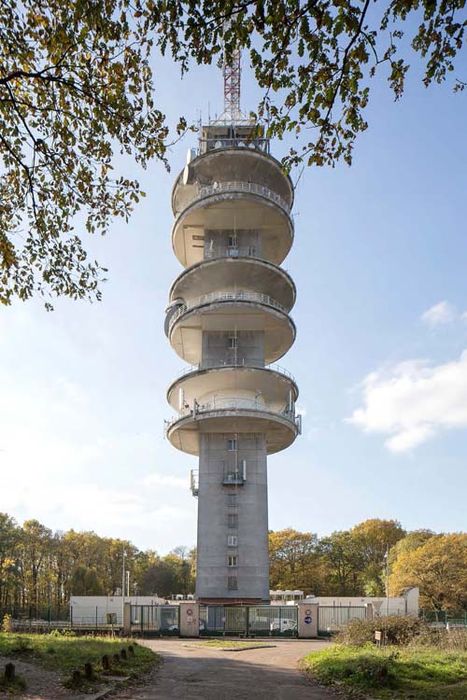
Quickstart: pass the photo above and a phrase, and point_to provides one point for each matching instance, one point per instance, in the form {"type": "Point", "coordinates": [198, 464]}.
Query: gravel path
{"type": "Point", "coordinates": [189, 672]}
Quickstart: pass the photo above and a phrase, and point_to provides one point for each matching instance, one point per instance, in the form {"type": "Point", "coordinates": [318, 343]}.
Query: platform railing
{"type": "Point", "coordinates": [234, 187]}
{"type": "Point", "coordinates": [229, 251]}
{"type": "Point", "coordinates": [215, 144]}
{"type": "Point", "coordinates": [230, 403]}
{"type": "Point", "coordinates": [239, 363]}
{"type": "Point", "coordinates": [215, 297]}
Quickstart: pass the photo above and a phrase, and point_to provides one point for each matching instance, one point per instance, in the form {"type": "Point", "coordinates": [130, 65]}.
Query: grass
{"type": "Point", "coordinates": [15, 686]}
{"type": "Point", "coordinates": [392, 672]}
{"type": "Point", "coordinates": [232, 645]}
{"type": "Point", "coordinates": [64, 653]}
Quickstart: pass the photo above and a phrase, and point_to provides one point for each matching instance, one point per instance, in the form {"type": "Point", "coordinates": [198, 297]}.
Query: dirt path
{"type": "Point", "coordinates": [42, 684]}
{"type": "Point", "coordinates": [193, 673]}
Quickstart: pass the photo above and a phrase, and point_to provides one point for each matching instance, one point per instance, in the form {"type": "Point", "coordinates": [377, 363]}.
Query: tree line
{"type": "Point", "coordinates": [371, 559]}
{"type": "Point", "coordinates": [40, 569]}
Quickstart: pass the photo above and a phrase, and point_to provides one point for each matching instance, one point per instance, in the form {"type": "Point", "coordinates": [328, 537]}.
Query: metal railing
{"type": "Point", "coordinates": [233, 478]}
{"type": "Point", "coordinates": [230, 251]}
{"type": "Point", "coordinates": [215, 297]}
{"type": "Point", "coordinates": [240, 363]}
{"type": "Point", "coordinates": [256, 144]}
{"type": "Point", "coordinates": [236, 186]}
{"type": "Point", "coordinates": [230, 403]}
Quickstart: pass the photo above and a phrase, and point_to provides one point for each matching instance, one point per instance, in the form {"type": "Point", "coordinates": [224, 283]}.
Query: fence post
{"type": "Point", "coordinates": [96, 618]}
{"type": "Point", "coordinates": [247, 618]}
{"type": "Point", "coordinates": [126, 622]}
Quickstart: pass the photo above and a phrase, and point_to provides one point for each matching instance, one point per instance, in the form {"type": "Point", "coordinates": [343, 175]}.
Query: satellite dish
{"type": "Point", "coordinates": [241, 144]}
{"type": "Point", "coordinates": [186, 174]}
{"type": "Point", "coordinates": [252, 145]}
{"type": "Point", "coordinates": [218, 144]}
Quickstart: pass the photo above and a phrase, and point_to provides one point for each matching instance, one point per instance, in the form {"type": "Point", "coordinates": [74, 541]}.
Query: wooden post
{"type": "Point", "coordinates": [10, 672]}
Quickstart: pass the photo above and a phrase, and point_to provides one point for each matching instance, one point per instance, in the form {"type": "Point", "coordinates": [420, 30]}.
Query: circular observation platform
{"type": "Point", "coordinates": [229, 273]}
{"type": "Point", "coordinates": [271, 388]}
{"type": "Point", "coordinates": [235, 209]}
{"type": "Point", "coordinates": [233, 416]}
{"type": "Point", "coordinates": [224, 311]}
{"type": "Point", "coordinates": [231, 165]}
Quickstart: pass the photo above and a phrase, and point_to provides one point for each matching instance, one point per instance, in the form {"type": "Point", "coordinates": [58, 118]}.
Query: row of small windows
{"type": "Point", "coordinates": [232, 522]}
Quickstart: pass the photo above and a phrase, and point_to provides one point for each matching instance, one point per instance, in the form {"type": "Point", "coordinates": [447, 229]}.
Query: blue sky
{"type": "Point", "coordinates": [380, 265]}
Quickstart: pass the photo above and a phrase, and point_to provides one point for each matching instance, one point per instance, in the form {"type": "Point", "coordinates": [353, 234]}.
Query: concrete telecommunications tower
{"type": "Point", "coordinates": [228, 317]}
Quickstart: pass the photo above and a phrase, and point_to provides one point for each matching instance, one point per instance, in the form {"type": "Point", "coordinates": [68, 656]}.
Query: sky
{"type": "Point", "coordinates": [379, 261]}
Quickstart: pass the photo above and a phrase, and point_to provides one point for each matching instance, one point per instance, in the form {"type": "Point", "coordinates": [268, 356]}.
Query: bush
{"type": "Point", "coordinates": [58, 634]}
{"type": "Point", "coordinates": [453, 639]}
{"type": "Point", "coordinates": [7, 624]}
{"type": "Point", "coordinates": [398, 629]}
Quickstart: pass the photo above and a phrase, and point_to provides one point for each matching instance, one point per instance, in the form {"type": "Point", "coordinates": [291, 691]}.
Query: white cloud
{"type": "Point", "coordinates": [72, 457]}
{"type": "Point", "coordinates": [413, 401]}
{"type": "Point", "coordinates": [439, 314]}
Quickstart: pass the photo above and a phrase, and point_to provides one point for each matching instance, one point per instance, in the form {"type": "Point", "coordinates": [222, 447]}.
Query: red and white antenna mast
{"type": "Point", "coordinates": [232, 74]}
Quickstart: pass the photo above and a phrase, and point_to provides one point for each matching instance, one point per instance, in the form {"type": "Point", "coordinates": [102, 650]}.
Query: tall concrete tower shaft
{"type": "Point", "coordinates": [228, 316]}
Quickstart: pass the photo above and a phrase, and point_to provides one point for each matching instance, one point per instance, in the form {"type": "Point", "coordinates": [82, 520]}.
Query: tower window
{"type": "Point", "coordinates": [232, 540]}
{"type": "Point", "coordinates": [232, 520]}
{"type": "Point", "coordinates": [232, 444]}
{"type": "Point", "coordinates": [232, 560]}
{"type": "Point", "coordinates": [231, 499]}
{"type": "Point", "coordinates": [232, 583]}
{"type": "Point", "coordinates": [233, 342]}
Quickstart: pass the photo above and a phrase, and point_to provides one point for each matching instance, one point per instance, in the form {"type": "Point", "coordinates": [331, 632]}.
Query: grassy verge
{"type": "Point", "coordinates": [392, 672]}
{"type": "Point", "coordinates": [65, 654]}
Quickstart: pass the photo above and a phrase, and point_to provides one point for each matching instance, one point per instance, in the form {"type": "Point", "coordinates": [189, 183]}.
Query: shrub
{"type": "Point", "coordinates": [398, 629]}
{"type": "Point", "coordinates": [453, 639]}
{"type": "Point", "coordinates": [7, 623]}
{"type": "Point", "coordinates": [21, 645]}
{"type": "Point", "coordinates": [58, 634]}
